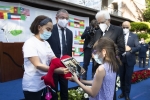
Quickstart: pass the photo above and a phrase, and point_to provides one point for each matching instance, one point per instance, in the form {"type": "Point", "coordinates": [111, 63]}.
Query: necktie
{"type": "Point", "coordinates": [125, 40]}
{"type": "Point", "coordinates": [64, 46]}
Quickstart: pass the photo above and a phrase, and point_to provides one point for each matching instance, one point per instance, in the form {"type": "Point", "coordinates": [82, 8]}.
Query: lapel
{"type": "Point", "coordinates": [129, 39]}
{"type": "Point", "coordinates": [56, 35]}
{"type": "Point", "coordinates": [109, 32]}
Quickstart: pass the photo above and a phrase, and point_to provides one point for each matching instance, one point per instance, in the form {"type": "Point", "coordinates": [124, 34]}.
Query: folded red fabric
{"type": "Point", "coordinates": [55, 63]}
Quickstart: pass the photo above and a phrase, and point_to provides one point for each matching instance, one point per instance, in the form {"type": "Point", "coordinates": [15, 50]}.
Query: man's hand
{"type": "Point", "coordinates": [65, 70]}
{"type": "Point", "coordinates": [128, 48]}
{"type": "Point", "coordinates": [62, 70]}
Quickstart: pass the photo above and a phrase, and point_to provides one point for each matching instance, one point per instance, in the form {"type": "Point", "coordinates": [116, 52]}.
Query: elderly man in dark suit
{"type": "Point", "coordinates": [142, 52]}
{"type": "Point", "coordinates": [111, 31]}
{"type": "Point", "coordinates": [61, 43]}
{"type": "Point", "coordinates": [128, 61]}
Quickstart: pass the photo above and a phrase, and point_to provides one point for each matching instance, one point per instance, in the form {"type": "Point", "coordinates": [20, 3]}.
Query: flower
{"type": "Point", "coordinates": [86, 95]}
{"type": "Point", "coordinates": [80, 89]}
{"type": "Point", "coordinates": [140, 75]}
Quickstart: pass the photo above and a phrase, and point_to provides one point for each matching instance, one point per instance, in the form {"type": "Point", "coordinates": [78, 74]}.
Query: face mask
{"type": "Point", "coordinates": [103, 27]}
{"type": "Point", "coordinates": [125, 31]}
{"type": "Point", "coordinates": [62, 22]}
{"type": "Point", "coordinates": [45, 35]}
{"type": "Point", "coordinates": [97, 59]}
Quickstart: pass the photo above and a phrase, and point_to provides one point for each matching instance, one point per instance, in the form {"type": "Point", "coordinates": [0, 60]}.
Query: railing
{"type": "Point", "coordinates": [112, 11]}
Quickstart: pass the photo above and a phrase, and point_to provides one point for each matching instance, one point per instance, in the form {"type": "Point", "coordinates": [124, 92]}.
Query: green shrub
{"type": "Point", "coordinates": [75, 94]}
{"type": "Point", "coordinates": [146, 37]}
{"type": "Point", "coordinates": [139, 26]}
{"type": "Point", "coordinates": [142, 35]}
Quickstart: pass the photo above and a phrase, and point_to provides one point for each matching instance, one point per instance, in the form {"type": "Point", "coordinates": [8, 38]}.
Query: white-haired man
{"type": "Point", "coordinates": [111, 31]}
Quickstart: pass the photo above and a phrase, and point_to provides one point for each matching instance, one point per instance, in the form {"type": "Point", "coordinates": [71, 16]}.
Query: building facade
{"type": "Point", "coordinates": [131, 9]}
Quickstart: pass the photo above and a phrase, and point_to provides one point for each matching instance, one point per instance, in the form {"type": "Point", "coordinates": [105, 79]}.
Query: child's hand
{"type": "Point", "coordinates": [82, 70]}
{"type": "Point", "coordinates": [73, 78]}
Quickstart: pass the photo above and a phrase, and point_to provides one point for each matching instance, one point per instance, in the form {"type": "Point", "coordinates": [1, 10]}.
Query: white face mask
{"type": "Point", "coordinates": [97, 59]}
{"type": "Point", "coordinates": [103, 27]}
{"type": "Point", "coordinates": [125, 31]}
{"type": "Point", "coordinates": [62, 22]}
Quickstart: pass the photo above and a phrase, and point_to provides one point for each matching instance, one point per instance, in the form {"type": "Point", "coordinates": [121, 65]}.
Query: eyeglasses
{"type": "Point", "coordinates": [63, 18]}
{"type": "Point", "coordinates": [125, 27]}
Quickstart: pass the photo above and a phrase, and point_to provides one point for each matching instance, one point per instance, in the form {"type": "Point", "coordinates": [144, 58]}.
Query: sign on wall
{"type": "Point", "coordinates": [16, 18]}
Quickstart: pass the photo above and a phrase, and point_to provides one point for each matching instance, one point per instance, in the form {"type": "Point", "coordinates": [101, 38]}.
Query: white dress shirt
{"type": "Point", "coordinates": [126, 41]}
{"type": "Point", "coordinates": [126, 38]}
{"type": "Point", "coordinates": [106, 30]}
{"type": "Point", "coordinates": [60, 37]}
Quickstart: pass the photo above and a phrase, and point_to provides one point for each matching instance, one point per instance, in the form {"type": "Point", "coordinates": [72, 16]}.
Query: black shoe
{"type": "Point", "coordinates": [127, 98]}
{"type": "Point", "coordinates": [121, 96]}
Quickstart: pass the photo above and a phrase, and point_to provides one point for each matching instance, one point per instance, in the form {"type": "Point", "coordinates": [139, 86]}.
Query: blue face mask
{"type": "Point", "coordinates": [97, 59]}
{"type": "Point", "coordinates": [46, 35]}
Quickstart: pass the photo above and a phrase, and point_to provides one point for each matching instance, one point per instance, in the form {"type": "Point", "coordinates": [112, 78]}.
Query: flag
{"type": "Point", "coordinates": [82, 24]}
{"type": "Point", "coordinates": [18, 10]}
{"type": "Point", "coordinates": [25, 11]}
{"type": "Point", "coordinates": [14, 16]}
{"type": "Point", "coordinates": [11, 9]}
{"type": "Point", "coordinates": [80, 33]}
{"type": "Point", "coordinates": [71, 24]}
{"type": "Point", "coordinates": [23, 17]}
{"type": "Point", "coordinates": [1, 15]}
{"type": "Point", "coordinates": [5, 15]}
{"type": "Point", "coordinates": [71, 19]}
{"type": "Point", "coordinates": [76, 24]}
{"type": "Point", "coordinates": [15, 10]}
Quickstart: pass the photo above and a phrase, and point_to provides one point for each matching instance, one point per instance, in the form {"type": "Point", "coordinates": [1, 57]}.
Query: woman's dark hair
{"type": "Point", "coordinates": [39, 20]}
{"type": "Point", "coordinates": [111, 56]}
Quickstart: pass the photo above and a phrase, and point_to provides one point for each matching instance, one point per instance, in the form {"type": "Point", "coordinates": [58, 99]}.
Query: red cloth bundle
{"type": "Point", "coordinates": [55, 63]}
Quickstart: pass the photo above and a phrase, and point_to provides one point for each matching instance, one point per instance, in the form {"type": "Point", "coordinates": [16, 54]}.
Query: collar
{"type": "Point", "coordinates": [127, 34]}
{"type": "Point", "coordinates": [108, 27]}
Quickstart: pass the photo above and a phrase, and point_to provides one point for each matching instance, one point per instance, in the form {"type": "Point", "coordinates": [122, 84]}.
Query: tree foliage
{"type": "Point", "coordinates": [146, 13]}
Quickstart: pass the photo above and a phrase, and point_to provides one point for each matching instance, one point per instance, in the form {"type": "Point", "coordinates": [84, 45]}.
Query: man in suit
{"type": "Point", "coordinates": [129, 60]}
{"type": "Point", "coordinates": [142, 52]}
{"type": "Point", "coordinates": [111, 31]}
{"type": "Point", "coordinates": [61, 43]}
{"type": "Point", "coordinates": [88, 35]}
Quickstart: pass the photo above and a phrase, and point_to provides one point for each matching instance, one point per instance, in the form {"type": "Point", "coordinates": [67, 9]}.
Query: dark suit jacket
{"type": "Point", "coordinates": [133, 42]}
{"type": "Point", "coordinates": [54, 41]}
{"type": "Point", "coordinates": [86, 36]}
{"type": "Point", "coordinates": [143, 50]}
{"type": "Point", "coordinates": [116, 34]}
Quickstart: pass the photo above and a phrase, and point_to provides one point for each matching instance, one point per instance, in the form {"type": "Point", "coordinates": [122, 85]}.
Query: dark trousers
{"type": "Point", "coordinates": [142, 59]}
{"type": "Point", "coordinates": [125, 78]}
{"type": "Point", "coordinates": [33, 95]}
{"type": "Point", "coordinates": [86, 60]}
{"type": "Point", "coordinates": [63, 87]}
